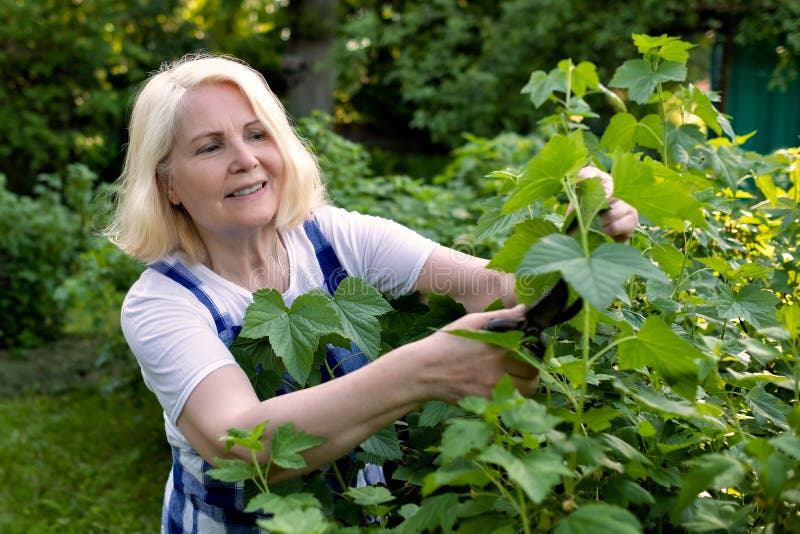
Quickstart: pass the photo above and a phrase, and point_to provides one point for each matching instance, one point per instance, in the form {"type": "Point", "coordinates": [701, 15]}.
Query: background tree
{"type": "Point", "coordinates": [446, 67]}
{"type": "Point", "coordinates": [69, 70]}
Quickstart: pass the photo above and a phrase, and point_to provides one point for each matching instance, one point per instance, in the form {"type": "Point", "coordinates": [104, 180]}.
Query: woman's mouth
{"type": "Point", "coordinates": [248, 191]}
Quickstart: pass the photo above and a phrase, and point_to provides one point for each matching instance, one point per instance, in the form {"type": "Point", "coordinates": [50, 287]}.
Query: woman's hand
{"type": "Point", "coordinates": [456, 367]}
{"type": "Point", "coordinates": [621, 219]}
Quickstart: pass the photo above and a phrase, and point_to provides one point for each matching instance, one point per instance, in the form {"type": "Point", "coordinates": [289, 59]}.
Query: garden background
{"type": "Point", "coordinates": [409, 105]}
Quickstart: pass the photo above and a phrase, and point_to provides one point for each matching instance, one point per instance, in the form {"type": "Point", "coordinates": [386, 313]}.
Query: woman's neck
{"type": "Point", "coordinates": [254, 262]}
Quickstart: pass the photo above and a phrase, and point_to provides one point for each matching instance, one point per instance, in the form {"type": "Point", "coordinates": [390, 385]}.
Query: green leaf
{"type": "Point", "coordinates": [358, 306]}
{"type": "Point", "coordinates": [287, 444]}
{"type": "Point", "coordinates": [714, 471]}
{"type": "Point", "coordinates": [620, 133]}
{"type": "Point", "coordinates": [370, 495]}
{"type": "Point", "coordinates": [599, 419]}
{"type": "Point", "coordinates": [754, 305]}
{"type": "Point", "coordinates": [673, 358]}
{"type": "Point", "coordinates": [508, 340]}
{"type": "Point", "coordinates": [712, 515]}
{"type": "Point", "coordinates": [675, 50]}
{"type": "Point", "coordinates": [650, 132]}
{"type": "Point", "coordinates": [528, 416]}
{"type": "Point", "coordinates": [541, 178]}
{"type": "Point", "coordinates": [435, 412]}
{"type": "Point", "coordinates": [582, 76]}
{"type": "Point", "coordinates": [638, 77]}
{"type": "Point", "coordinates": [539, 87]}
{"type": "Point", "coordinates": [787, 444]}
{"type": "Point", "coordinates": [525, 234]}
{"type": "Point", "coordinates": [435, 514]}
{"type": "Point", "coordinates": [701, 105]}
{"type": "Point", "coordinates": [457, 473]}
{"type": "Point", "coordinates": [662, 200]}
{"type": "Point", "coordinates": [670, 259]}
{"type": "Point", "coordinates": [493, 223]}
{"type": "Point", "coordinates": [463, 436]}
{"type": "Point", "coordinates": [247, 438]}
{"type": "Point", "coordinates": [293, 333]}
{"type": "Point", "coordinates": [308, 521]}
{"type": "Point", "coordinates": [537, 473]}
{"type": "Point", "coordinates": [767, 406]}
{"type": "Point", "coordinates": [383, 444]}
{"type": "Point", "coordinates": [599, 517]}
{"type": "Point", "coordinates": [232, 470]}
{"type": "Point", "coordinates": [656, 401]}
{"type": "Point", "coordinates": [789, 316]}
{"type": "Point", "coordinates": [624, 492]}
{"type": "Point", "coordinates": [272, 503]}
{"type": "Point", "coordinates": [599, 278]}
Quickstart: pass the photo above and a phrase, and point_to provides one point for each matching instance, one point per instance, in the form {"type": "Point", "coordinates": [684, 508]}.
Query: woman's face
{"type": "Point", "coordinates": [224, 168]}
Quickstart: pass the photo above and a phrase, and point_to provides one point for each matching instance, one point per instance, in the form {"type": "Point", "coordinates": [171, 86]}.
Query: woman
{"type": "Point", "coordinates": [220, 198]}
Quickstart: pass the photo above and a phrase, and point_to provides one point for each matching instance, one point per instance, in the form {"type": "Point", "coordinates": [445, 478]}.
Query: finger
{"type": "Point", "coordinates": [621, 228]}
{"type": "Point", "coordinates": [520, 369]}
{"type": "Point", "coordinates": [478, 321]}
{"type": "Point", "coordinates": [526, 387]}
{"type": "Point", "coordinates": [606, 179]}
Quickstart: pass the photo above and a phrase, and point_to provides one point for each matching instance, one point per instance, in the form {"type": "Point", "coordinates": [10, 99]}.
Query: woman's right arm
{"type": "Point", "coordinates": [347, 410]}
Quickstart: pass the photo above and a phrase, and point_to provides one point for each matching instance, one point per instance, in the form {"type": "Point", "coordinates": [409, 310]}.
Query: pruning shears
{"type": "Point", "coordinates": [548, 310]}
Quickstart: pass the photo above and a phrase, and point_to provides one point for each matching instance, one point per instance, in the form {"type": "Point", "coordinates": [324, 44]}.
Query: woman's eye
{"type": "Point", "coordinates": [258, 135]}
{"type": "Point", "coordinates": [207, 149]}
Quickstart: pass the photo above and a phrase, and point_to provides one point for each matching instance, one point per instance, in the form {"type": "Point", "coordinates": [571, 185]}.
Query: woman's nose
{"type": "Point", "coordinates": [243, 157]}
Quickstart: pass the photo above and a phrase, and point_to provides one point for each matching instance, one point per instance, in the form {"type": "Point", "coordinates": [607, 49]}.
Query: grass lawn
{"type": "Point", "coordinates": [81, 461]}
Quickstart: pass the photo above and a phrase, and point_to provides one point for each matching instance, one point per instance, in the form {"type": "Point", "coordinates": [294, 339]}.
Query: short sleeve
{"type": "Point", "coordinates": [386, 254]}
{"type": "Point", "coordinates": [173, 338]}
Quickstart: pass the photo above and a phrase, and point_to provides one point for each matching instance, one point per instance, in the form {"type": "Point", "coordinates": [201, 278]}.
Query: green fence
{"type": "Point", "coordinates": [773, 113]}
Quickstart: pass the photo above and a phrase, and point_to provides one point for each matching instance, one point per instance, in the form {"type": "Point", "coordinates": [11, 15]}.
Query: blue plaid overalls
{"type": "Point", "coordinates": [197, 501]}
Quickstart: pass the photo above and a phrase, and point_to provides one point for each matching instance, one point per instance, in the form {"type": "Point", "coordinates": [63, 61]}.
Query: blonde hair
{"type": "Point", "coordinates": [146, 224]}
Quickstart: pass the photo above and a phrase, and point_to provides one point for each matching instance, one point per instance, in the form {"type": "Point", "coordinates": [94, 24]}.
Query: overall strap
{"type": "Point", "coordinates": [332, 270]}
{"type": "Point", "coordinates": [226, 330]}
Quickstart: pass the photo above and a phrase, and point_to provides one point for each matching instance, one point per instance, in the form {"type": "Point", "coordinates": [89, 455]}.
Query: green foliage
{"type": "Point", "coordinates": [443, 211]}
{"type": "Point", "coordinates": [449, 67]}
{"type": "Point", "coordinates": [42, 239]}
{"type": "Point", "coordinates": [70, 68]}
{"type": "Point", "coordinates": [673, 399]}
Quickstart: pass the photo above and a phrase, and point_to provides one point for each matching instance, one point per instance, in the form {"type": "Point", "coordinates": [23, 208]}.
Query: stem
{"type": "Point", "coordinates": [262, 476]}
{"type": "Point", "coordinates": [686, 243]}
{"type": "Point", "coordinates": [609, 347]}
{"type": "Point", "coordinates": [518, 507]}
{"type": "Point", "coordinates": [339, 477]}
{"type": "Point", "coordinates": [664, 150]}
{"type": "Point", "coordinates": [585, 356]}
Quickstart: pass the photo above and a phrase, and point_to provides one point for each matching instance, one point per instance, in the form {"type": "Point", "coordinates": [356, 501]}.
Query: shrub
{"type": "Point", "coordinates": [42, 237]}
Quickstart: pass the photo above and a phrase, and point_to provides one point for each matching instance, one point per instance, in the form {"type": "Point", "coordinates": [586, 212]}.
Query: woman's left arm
{"type": "Point", "coordinates": [466, 279]}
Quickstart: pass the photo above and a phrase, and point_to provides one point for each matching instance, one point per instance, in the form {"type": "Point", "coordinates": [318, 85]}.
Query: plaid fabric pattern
{"type": "Point", "coordinates": [226, 330]}
{"type": "Point", "coordinates": [198, 504]}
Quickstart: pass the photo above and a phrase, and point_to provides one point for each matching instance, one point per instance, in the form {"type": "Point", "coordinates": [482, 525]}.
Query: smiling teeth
{"type": "Point", "coordinates": [248, 190]}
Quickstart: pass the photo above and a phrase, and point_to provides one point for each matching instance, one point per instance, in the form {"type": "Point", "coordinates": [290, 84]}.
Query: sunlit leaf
{"type": "Point", "coordinates": [287, 444]}
{"type": "Point", "coordinates": [358, 306]}
{"type": "Point", "coordinates": [656, 345]}
{"type": "Point", "coordinates": [598, 278]}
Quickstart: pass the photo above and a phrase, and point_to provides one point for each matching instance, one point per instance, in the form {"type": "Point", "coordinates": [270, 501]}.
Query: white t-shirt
{"type": "Point", "coordinates": [174, 338]}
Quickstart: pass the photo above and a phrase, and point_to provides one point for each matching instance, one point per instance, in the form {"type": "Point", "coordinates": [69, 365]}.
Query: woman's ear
{"type": "Point", "coordinates": [172, 194]}
{"type": "Point", "coordinates": [165, 184]}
